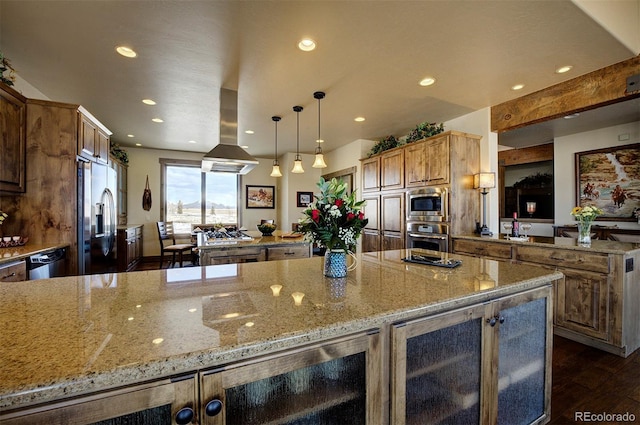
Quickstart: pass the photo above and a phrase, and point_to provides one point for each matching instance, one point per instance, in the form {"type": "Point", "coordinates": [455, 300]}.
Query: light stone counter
{"type": "Point", "coordinates": [17, 253]}
{"type": "Point", "coordinates": [75, 335]}
{"type": "Point", "coordinates": [601, 246]}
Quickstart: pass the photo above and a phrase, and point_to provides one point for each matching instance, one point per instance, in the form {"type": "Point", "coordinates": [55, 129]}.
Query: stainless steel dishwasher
{"type": "Point", "coordinates": [47, 264]}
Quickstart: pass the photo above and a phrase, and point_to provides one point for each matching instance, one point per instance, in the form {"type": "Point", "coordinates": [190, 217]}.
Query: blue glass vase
{"type": "Point", "coordinates": [335, 263]}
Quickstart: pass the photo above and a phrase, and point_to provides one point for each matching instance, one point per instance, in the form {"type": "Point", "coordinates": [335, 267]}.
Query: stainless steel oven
{"type": "Point", "coordinates": [428, 204]}
{"type": "Point", "coordinates": [428, 235]}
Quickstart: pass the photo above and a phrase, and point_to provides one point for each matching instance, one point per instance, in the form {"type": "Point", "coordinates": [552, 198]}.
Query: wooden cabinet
{"type": "Point", "coordinates": [334, 382]}
{"type": "Point", "coordinates": [427, 162]}
{"type": "Point", "coordinates": [121, 189]}
{"type": "Point", "coordinates": [93, 138]}
{"type": "Point", "coordinates": [441, 365]}
{"type": "Point", "coordinates": [370, 174]}
{"type": "Point", "coordinates": [496, 251]}
{"type": "Point", "coordinates": [171, 401]}
{"type": "Point", "coordinates": [129, 249]}
{"type": "Point", "coordinates": [13, 114]}
{"type": "Point", "coordinates": [386, 226]}
{"type": "Point", "coordinates": [288, 252]}
{"type": "Point", "coordinates": [13, 272]}
{"type": "Point", "coordinates": [392, 169]}
{"type": "Point", "coordinates": [595, 303]}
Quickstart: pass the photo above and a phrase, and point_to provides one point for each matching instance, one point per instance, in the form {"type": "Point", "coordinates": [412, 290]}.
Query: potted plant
{"type": "Point", "coordinates": [385, 144]}
{"type": "Point", "coordinates": [424, 130]}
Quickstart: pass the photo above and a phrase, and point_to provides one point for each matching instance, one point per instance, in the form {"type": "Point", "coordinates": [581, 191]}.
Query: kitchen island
{"type": "Point", "coordinates": [597, 302]}
{"type": "Point", "coordinates": [279, 246]}
{"type": "Point", "coordinates": [277, 340]}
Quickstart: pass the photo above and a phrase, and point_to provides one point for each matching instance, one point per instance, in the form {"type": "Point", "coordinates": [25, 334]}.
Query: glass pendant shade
{"type": "Point", "coordinates": [297, 164]}
{"type": "Point", "coordinates": [319, 161]}
{"type": "Point", "coordinates": [275, 171]}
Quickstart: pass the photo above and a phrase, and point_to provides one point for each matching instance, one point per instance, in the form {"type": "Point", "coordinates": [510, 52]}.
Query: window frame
{"type": "Point", "coordinates": [191, 163]}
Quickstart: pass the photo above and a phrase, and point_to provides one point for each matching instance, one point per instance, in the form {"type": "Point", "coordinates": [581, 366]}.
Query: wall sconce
{"type": "Point", "coordinates": [484, 181]}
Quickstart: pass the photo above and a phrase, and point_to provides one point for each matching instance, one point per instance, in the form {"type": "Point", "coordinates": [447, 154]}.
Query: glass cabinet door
{"type": "Point", "coordinates": [524, 353]}
{"type": "Point", "coordinates": [334, 383]}
{"type": "Point", "coordinates": [436, 373]}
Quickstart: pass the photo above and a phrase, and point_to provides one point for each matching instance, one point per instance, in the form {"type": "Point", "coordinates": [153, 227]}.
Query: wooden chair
{"type": "Point", "coordinates": [165, 233]}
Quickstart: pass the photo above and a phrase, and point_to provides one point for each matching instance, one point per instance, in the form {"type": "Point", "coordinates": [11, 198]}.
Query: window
{"type": "Point", "coordinates": [190, 196]}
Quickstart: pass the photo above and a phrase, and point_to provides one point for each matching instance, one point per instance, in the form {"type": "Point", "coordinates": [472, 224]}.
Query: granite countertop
{"type": "Point", "coordinates": [278, 238]}
{"type": "Point", "coordinates": [79, 334]}
{"type": "Point", "coordinates": [17, 253]}
{"type": "Point", "coordinates": [601, 246]}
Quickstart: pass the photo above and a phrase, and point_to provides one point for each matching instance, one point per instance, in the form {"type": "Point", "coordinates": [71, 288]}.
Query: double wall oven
{"type": "Point", "coordinates": [427, 219]}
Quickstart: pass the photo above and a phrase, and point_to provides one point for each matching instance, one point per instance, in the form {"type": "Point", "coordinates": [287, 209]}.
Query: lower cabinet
{"type": "Point", "coordinates": [13, 272]}
{"type": "Point", "coordinates": [335, 383]}
{"type": "Point", "coordinates": [129, 247]}
{"type": "Point", "coordinates": [169, 401]}
{"type": "Point", "coordinates": [486, 364]}
{"type": "Point", "coordinates": [289, 252]}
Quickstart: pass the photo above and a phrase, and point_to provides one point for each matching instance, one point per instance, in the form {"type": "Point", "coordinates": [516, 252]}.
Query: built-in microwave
{"type": "Point", "coordinates": [428, 204]}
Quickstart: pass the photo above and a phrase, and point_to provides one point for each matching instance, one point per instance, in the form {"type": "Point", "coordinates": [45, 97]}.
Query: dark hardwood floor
{"type": "Point", "coordinates": [584, 379]}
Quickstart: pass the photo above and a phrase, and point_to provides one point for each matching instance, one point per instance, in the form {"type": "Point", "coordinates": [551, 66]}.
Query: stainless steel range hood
{"type": "Point", "coordinates": [227, 156]}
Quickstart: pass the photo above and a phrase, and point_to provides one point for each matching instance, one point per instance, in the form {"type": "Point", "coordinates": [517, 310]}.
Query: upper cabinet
{"type": "Point", "coordinates": [384, 171]}
{"type": "Point", "coordinates": [13, 114]}
{"type": "Point", "coordinates": [93, 138]}
{"type": "Point", "coordinates": [427, 162]}
{"type": "Point", "coordinates": [371, 174]}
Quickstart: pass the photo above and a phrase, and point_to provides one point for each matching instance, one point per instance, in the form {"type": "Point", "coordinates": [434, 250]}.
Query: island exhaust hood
{"type": "Point", "coordinates": [227, 156]}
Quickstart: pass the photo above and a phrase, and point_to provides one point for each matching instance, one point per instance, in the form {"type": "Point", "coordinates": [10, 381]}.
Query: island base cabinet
{"type": "Point", "coordinates": [485, 364]}
{"type": "Point", "coordinates": [334, 383]}
{"type": "Point", "coordinates": [170, 401]}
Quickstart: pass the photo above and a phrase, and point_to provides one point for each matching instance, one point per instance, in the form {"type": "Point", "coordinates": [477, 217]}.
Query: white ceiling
{"type": "Point", "coordinates": [369, 59]}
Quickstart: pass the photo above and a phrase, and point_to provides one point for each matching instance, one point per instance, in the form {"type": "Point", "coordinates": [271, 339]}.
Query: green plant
{"type": "Point", "coordinates": [333, 219]}
{"type": "Point", "coordinates": [119, 153]}
{"type": "Point", "coordinates": [6, 65]}
{"type": "Point", "coordinates": [424, 130]}
{"type": "Point", "coordinates": [387, 143]}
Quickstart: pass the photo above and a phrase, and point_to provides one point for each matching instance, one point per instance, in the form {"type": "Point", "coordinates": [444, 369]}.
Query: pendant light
{"type": "Point", "coordinates": [275, 171]}
{"type": "Point", "coordinates": [319, 162]}
{"type": "Point", "coordinates": [297, 164]}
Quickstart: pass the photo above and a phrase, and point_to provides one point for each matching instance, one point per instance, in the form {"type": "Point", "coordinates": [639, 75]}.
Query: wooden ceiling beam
{"type": "Point", "coordinates": [603, 87]}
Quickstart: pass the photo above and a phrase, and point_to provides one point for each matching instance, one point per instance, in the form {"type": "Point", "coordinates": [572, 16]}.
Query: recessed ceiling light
{"type": "Point", "coordinates": [126, 51]}
{"type": "Point", "coordinates": [138, 144]}
{"type": "Point", "coordinates": [249, 131]}
{"type": "Point", "coordinates": [157, 120]}
{"type": "Point", "coordinates": [130, 135]}
{"type": "Point", "coordinates": [306, 45]}
{"type": "Point", "coordinates": [192, 141]}
{"type": "Point", "coordinates": [517, 87]}
{"type": "Point", "coordinates": [148, 102]}
{"type": "Point", "coordinates": [244, 147]}
{"type": "Point", "coordinates": [427, 81]}
{"type": "Point", "coordinates": [359, 119]}
{"type": "Point", "coordinates": [563, 69]}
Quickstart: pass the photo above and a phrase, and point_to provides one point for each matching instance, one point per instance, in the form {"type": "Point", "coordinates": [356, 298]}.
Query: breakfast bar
{"type": "Point", "coordinates": [276, 339]}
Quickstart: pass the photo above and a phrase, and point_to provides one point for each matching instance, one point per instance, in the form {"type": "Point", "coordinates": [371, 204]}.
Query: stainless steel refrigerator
{"type": "Point", "coordinates": [96, 218]}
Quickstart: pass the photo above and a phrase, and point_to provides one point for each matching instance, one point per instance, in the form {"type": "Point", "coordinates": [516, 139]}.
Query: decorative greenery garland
{"type": "Point", "coordinates": [422, 131]}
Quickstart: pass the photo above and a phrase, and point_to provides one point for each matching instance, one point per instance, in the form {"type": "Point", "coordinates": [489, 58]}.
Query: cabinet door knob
{"type": "Point", "coordinates": [213, 407]}
{"type": "Point", "coordinates": [184, 416]}
{"type": "Point", "coordinates": [501, 319]}
{"type": "Point", "coordinates": [492, 321]}
{"type": "Point", "coordinates": [8, 276]}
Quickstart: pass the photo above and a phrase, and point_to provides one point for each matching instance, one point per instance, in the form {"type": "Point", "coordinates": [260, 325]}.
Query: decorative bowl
{"type": "Point", "coordinates": [266, 228]}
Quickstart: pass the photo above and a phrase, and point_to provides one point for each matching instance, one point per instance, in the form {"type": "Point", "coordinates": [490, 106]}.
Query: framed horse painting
{"type": "Point", "coordinates": [609, 179]}
{"type": "Point", "coordinates": [261, 196]}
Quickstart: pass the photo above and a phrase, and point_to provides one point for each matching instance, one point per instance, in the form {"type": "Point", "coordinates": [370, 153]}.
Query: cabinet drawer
{"type": "Point", "coordinates": [287, 252]}
{"type": "Point", "coordinates": [13, 272]}
{"type": "Point", "coordinates": [485, 249]}
{"type": "Point", "coordinates": [564, 258]}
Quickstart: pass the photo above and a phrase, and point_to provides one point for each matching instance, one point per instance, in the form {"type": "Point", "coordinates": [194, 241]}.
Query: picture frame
{"type": "Point", "coordinates": [609, 179]}
{"type": "Point", "coordinates": [260, 196]}
{"type": "Point", "coordinates": [303, 199]}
